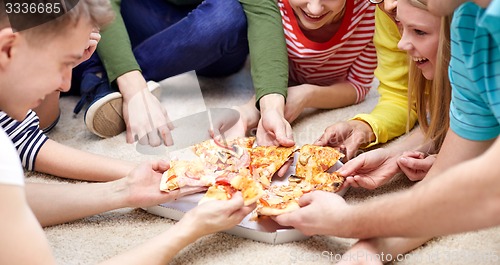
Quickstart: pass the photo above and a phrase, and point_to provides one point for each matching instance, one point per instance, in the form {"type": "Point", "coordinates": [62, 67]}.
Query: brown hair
{"type": "Point", "coordinates": [98, 13]}
{"type": "Point", "coordinates": [432, 97]}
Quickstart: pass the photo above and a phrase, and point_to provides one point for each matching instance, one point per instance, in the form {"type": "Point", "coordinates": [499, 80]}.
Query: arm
{"type": "Point", "coordinates": [144, 116]}
{"type": "Point", "coordinates": [20, 231]}
{"type": "Point", "coordinates": [64, 161]}
{"type": "Point", "coordinates": [433, 207]}
{"type": "Point", "coordinates": [59, 203]}
{"type": "Point", "coordinates": [203, 220]}
{"type": "Point", "coordinates": [269, 66]}
{"type": "Point", "coordinates": [268, 55]}
{"type": "Point", "coordinates": [390, 116]}
{"type": "Point", "coordinates": [392, 72]}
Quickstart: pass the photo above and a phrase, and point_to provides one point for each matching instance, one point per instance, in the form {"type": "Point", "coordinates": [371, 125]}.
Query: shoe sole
{"type": "Point", "coordinates": [104, 117]}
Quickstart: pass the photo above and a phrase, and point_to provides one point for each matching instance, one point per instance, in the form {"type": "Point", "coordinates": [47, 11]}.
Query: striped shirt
{"type": "Point", "coordinates": [26, 136]}
{"type": "Point", "coordinates": [348, 55]}
{"type": "Point", "coordinates": [475, 71]}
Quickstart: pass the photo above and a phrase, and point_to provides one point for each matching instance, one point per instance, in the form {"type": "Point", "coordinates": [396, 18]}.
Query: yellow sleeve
{"type": "Point", "coordinates": [388, 119]}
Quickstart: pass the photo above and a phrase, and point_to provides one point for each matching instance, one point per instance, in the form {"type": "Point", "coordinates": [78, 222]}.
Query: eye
{"type": "Point", "coordinates": [419, 32]}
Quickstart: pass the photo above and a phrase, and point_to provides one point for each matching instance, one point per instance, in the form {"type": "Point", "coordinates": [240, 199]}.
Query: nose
{"type": "Point", "coordinates": [390, 6]}
{"type": "Point", "coordinates": [315, 7]}
{"type": "Point", "coordinates": [66, 81]}
{"type": "Point", "coordinates": [404, 43]}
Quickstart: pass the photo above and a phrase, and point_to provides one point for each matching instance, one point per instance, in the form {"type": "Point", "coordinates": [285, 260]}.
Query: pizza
{"type": "Point", "coordinates": [314, 160]}
{"type": "Point", "coordinates": [266, 160]}
{"type": "Point", "coordinates": [224, 168]}
{"type": "Point", "coordinates": [225, 188]}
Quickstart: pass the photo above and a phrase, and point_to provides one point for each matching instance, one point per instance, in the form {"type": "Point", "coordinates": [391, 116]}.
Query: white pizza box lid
{"type": "Point", "coordinates": [264, 230]}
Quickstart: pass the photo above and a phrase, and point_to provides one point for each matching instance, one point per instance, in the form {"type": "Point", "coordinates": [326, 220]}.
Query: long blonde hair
{"type": "Point", "coordinates": [432, 97]}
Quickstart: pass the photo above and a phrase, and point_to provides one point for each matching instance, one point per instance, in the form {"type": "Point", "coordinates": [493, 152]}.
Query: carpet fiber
{"type": "Point", "coordinates": [99, 237]}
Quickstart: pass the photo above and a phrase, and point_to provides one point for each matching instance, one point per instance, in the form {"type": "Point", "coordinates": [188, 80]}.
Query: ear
{"type": "Point", "coordinates": [7, 42]}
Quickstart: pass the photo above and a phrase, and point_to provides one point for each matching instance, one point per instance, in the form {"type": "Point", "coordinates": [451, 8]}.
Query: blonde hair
{"type": "Point", "coordinates": [97, 12]}
{"type": "Point", "coordinates": [432, 97]}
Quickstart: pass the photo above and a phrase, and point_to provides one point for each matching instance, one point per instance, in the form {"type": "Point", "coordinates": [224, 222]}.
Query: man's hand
{"type": "Point", "coordinates": [141, 188]}
{"type": "Point", "coordinates": [274, 130]}
{"type": "Point", "coordinates": [145, 118]}
{"type": "Point", "coordinates": [94, 39]}
{"type": "Point", "coordinates": [415, 164]}
{"type": "Point", "coordinates": [371, 169]}
{"type": "Point", "coordinates": [321, 213]}
{"type": "Point", "coordinates": [348, 136]}
{"type": "Point", "coordinates": [214, 216]}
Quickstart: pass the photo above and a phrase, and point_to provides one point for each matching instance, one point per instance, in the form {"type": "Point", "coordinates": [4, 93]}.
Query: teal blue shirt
{"type": "Point", "coordinates": [475, 71]}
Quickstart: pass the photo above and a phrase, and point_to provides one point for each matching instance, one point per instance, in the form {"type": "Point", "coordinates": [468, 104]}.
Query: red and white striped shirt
{"type": "Point", "coordinates": [348, 55]}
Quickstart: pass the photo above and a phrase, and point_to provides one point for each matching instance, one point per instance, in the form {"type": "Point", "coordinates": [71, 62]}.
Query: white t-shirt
{"type": "Point", "coordinates": [11, 171]}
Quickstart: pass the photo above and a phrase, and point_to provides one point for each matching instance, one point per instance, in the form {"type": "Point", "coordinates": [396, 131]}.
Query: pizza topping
{"type": "Point", "coordinates": [231, 166]}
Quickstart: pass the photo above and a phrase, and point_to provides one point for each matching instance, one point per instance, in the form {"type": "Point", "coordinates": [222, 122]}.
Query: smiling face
{"type": "Point", "coordinates": [315, 14]}
{"type": "Point", "coordinates": [31, 70]}
{"type": "Point", "coordinates": [420, 37]}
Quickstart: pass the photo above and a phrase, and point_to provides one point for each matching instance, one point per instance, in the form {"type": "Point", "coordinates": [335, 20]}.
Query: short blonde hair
{"type": "Point", "coordinates": [97, 12]}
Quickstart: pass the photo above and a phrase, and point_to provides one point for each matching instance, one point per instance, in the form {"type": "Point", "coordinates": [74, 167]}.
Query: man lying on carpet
{"type": "Point", "coordinates": [56, 46]}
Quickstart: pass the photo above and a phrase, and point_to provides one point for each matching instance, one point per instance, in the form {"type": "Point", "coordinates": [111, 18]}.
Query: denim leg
{"type": "Point", "coordinates": [211, 38]}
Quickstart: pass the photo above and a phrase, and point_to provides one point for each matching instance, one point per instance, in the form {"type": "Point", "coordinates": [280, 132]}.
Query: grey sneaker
{"type": "Point", "coordinates": [104, 117]}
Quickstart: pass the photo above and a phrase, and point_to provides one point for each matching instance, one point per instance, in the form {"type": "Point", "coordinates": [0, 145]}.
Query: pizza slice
{"type": "Point", "coordinates": [266, 160]}
{"type": "Point", "coordinates": [314, 160]}
{"type": "Point", "coordinates": [226, 186]}
{"type": "Point", "coordinates": [230, 155]}
{"type": "Point", "coordinates": [187, 174]}
{"type": "Point", "coordinates": [279, 200]}
{"type": "Point", "coordinates": [326, 181]}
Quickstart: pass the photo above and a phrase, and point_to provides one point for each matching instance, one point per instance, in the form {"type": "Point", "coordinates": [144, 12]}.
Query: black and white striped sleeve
{"type": "Point", "coordinates": [26, 136]}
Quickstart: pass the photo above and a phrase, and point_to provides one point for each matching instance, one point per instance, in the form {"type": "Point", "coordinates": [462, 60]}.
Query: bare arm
{"type": "Point", "coordinates": [443, 195]}
{"type": "Point", "coordinates": [313, 96]}
{"type": "Point", "coordinates": [60, 160]}
{"type": "Point", "coordinates": [205, 219]}
{"type": "Point", "coordinates": [20, 231]}
{"type": "Point", "coordinates": [59, 203]}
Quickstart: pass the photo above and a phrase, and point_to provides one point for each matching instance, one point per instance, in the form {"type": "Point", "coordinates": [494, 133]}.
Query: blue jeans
{"type": "Point", "coordinates": [167, 40]}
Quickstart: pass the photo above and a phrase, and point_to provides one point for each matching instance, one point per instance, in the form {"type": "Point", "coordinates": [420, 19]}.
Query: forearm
{"type": "Point", "coordinates": [321, 96]}
{"type": "Point", "coordinates": [268, 54]}
{"type": "Point", "coordinates": [59, 203]}
{"type": "Point", "coordinates": [115, 49]}
{"type": "Point", "coordinates": [159, 250]}
{"type": "Point", "coordinates": [64, 161]}
{"type": "Point", "coordinates": [449, 203]}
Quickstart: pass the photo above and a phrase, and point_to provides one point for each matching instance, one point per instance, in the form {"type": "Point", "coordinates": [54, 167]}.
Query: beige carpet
{"type": "Point", "coordinates": [96, 238]}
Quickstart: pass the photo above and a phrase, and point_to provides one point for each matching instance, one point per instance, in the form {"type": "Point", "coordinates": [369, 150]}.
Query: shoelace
{"type": "Point", "coordinates": [88, 90]}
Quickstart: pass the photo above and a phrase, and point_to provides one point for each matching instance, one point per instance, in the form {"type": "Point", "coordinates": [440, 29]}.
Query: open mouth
{"type": "Point", "coordinates": [420, 60]}
{"type": "Point", "coordinates": [313, 17]}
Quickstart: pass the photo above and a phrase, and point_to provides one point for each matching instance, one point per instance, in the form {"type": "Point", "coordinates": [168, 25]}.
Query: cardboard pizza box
{"type": "Point", "coordinates": [264, 230]}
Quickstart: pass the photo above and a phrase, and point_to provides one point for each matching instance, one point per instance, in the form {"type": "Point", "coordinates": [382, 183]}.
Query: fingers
{"type": "Point", "coordinates": [353, 165]}
{"type": "Point", "coordinates": [365, 182]}
{"type": "Point", "coordinates": [284, 168]}
{"type": "Point", "coordinates": [161, 165]}
{"type": "Point", "coordinates": [166, 135]}
{"type": "Point", "coordinates": [414, 163]}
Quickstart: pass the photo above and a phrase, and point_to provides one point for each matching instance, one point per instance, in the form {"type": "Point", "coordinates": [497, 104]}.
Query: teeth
{"type": "Point", "coordinates": [311, 16]}
{"type": "Point", "coordinates": [419, 59]}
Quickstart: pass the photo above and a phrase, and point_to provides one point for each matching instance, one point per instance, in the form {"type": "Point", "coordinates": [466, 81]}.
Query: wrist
{"type": "Point", "coordinates": [365, 130]}
{"type": "Point", "coordinates": [119, 194]}
{"type": "Point", "coordinates": [131, 83]}
{"type": "Point", "coordinates": [274, 102]}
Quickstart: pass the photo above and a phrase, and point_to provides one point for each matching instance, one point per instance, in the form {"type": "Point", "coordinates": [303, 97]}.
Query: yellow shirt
{"type": "Point", "coordinates": [389, 118]}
